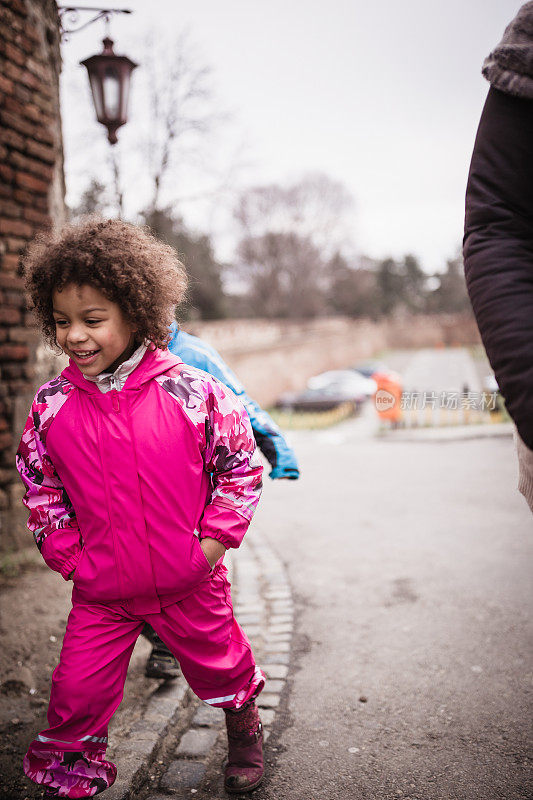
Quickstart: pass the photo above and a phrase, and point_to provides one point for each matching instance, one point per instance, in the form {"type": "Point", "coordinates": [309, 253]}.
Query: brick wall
{"type": "Point", "coordinates": [31, 196]}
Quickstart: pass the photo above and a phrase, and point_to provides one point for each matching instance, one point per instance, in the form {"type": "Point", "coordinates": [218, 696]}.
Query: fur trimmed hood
{"type": "Point", "coordinates": [509, 67]}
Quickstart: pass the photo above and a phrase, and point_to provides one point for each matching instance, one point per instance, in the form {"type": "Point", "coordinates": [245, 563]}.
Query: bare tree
{"type": "Point", "coordinates": [353, 289]}
{"type": "Point", "coordinates": [451, 293]}
{"type": "Point", "coordinates": [116, 173]}
{"type": "Point", "coordinates": [181, 102]}
{"type": "Point", "coordinates": [283, 274]}
{"type": "Point", "coordinates": [316, 206]}
{"type": "Point", "coordinates": [94, 200]}
{"type": "Point", "coordinates": [288, 237]}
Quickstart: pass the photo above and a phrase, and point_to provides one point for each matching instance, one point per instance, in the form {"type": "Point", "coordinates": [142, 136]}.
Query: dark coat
{"type": "Point", "coordinates": [498, 247]}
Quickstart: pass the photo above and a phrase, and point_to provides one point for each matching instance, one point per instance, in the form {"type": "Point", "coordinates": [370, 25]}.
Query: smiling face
{"type": "Point", "coordinates": [91, 329]}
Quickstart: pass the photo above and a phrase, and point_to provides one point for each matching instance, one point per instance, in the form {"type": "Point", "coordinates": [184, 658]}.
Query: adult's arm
{"type": "Point", "coordinates": [498, 248]}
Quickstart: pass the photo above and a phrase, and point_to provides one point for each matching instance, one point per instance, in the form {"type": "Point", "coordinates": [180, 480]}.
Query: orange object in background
{"type": "Point", "coordinates": [387, 399]}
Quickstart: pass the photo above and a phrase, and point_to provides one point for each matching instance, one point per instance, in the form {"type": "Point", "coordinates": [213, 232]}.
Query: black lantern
{"type": "Point", "coordinates": [109, 76]}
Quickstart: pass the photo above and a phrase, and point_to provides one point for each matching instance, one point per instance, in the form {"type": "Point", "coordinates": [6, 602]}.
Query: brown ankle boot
{"type": "Point", "coordinates": [244, 770]}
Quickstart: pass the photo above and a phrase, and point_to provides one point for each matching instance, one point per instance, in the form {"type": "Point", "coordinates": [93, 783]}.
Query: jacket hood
{"type": "Point", "coordinates": [153, 363]}
{"type": "Point", "coordinates": [509, 67]}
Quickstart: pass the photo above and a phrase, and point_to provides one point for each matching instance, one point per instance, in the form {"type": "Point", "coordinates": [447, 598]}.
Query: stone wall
{"type": "Point", "coordinates": [31, 196]}
{"type": "Point", "coordinates": [271, 357]}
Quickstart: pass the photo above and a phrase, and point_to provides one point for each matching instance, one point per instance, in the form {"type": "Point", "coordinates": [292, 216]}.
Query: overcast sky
{"type": "Point", "coordinates": [383, 96]}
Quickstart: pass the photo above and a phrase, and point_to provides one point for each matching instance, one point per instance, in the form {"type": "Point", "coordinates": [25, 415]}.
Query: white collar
{"type": "Point", "coordinates": [116, 380]}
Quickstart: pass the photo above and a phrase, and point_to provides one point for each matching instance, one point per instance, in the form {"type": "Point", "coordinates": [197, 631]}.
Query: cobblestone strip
{"type": "Point", "coordinates": [166, 709]}
{"type": "Point", "coordinates": [272, 639]}
{"type": "Point", "coordinates": [263, 606]}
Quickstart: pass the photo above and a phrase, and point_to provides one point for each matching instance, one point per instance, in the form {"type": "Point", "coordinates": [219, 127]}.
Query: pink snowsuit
{"type": "Point", "coordinates": [120, 487]}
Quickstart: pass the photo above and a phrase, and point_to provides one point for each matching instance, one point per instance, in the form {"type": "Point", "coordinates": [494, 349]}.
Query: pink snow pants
{"type": "Point", "coordinates": [88, 683]}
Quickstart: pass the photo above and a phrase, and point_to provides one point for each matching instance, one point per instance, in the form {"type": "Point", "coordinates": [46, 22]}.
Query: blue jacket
{"type": "Point", "coordinates": [197, 353]}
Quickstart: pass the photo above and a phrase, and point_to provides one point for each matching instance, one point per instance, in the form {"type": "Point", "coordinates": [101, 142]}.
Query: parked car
{"type": "Point", "coordinates": [370, 366]}
{"type": "Point", "coordinates": [329, 390]}
{"type": "Point", "coordinates": [323, 399]}
{"type": "Point", "coordinates": [352, 383]}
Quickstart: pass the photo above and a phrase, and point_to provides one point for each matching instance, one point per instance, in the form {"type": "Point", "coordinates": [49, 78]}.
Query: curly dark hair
{"type": "Point", "coordinates": [125, 262]}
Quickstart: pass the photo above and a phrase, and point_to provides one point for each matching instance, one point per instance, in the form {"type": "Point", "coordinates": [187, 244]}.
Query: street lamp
{"type": "Point", "coordinates": [109, 76]}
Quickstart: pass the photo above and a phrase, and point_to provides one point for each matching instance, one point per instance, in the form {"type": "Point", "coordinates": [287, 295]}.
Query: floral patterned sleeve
{"type": "Point", "coordinates": [52, 519]}
{"type": "Point", "coordinates": [228, 447]}
{"type": "Point", "coordinates": [232, 459]}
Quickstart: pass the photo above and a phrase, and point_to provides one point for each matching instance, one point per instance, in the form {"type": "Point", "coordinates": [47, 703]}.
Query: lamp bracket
{"type": "Point", "coordinates": [71, 15]}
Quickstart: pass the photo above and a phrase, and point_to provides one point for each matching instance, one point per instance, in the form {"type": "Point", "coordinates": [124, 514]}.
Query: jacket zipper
{"type": "Point", "coordinates": [116, 401]}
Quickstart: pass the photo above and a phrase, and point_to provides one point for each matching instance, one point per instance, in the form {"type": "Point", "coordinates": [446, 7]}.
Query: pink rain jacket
{"type": "Point", "coordinates": [120, 485]}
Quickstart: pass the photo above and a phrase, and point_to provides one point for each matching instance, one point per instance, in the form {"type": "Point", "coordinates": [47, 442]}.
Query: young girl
{"type": "Point", "coordinates": [140, 472]}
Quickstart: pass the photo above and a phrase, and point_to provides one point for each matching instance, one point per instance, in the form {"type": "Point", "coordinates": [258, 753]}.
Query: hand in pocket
{"type": "Point", "coordinates": [213, 550]}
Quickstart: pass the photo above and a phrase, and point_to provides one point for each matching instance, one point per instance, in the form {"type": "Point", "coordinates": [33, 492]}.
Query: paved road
{"type": "Point", "coordinates": [448, 370]}
{"type": "Point", "coordinates": [411, 565]}
{"type": "Point", "coordinates": [410, 562]}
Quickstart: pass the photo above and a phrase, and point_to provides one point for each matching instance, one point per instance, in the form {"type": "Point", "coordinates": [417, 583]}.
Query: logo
{"type": "Point", "coordinates": [384, 400]}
